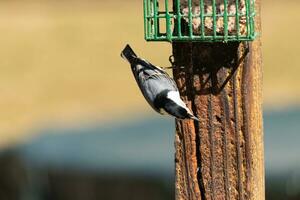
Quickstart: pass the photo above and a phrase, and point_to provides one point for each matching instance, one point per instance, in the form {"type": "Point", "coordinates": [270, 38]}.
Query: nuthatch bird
{"type": "Point", "coordinates": [158, 88]}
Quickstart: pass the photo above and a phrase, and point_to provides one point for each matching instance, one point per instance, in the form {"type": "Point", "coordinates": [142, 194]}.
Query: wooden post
{"type": "Point", "coordinates": [221, 157]}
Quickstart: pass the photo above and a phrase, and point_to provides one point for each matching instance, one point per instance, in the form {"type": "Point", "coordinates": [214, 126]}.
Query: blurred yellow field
{"type": "Point", "coordinates": [281, 50]}
{"type": "Point", "coordinates": [60, 63]}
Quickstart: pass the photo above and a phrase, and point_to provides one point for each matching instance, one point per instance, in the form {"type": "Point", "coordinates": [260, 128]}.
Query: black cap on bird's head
{"type": "Point", "coordinates": [128, 54]}
{"type": "Point", "coordinates": [181, 112]}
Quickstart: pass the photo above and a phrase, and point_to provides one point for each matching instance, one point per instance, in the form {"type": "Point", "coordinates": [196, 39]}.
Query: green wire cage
{"type": "Point", "coordinates": [199, 20]}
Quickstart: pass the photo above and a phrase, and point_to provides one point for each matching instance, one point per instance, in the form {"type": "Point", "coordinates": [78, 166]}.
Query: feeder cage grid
{"type": "Point", "coordinates": [199, 20]}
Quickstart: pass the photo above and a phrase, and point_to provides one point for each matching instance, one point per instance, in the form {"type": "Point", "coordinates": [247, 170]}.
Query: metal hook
{"type": "Point", "coordinates": [171, 60]}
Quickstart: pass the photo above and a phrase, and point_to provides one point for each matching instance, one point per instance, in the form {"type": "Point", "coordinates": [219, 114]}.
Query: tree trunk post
{"type": "Point", "coordinates": [221, 156]}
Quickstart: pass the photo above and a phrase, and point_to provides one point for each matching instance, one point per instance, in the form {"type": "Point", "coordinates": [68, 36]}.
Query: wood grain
{"type": "Point", "coordinates": [221, 156]}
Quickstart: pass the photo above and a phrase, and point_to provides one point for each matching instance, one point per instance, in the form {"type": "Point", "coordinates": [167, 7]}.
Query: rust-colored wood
{"type": "Point", "coordinates": [220, 157]}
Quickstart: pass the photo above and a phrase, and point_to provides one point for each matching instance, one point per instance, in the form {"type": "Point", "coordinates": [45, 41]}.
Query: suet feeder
{"type": "Point", "coordinates": [199, 20]}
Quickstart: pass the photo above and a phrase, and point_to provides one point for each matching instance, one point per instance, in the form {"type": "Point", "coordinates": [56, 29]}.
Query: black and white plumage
{"type": "Point", "coordinates": [158, 88]}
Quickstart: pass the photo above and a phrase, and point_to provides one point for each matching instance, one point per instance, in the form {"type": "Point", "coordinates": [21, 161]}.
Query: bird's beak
{"type": "Point", "coordinates": [195, 118]}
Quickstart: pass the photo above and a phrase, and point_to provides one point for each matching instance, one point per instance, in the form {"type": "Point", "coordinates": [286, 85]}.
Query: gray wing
{"type": "Point", "coordinates": [153, 81]}
{"type": "Point", "coordinates": [158, 83]}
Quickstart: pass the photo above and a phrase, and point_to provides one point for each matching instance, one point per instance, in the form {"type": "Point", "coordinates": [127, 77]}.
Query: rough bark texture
{"type": "Point", "coordinates": [220, 157]}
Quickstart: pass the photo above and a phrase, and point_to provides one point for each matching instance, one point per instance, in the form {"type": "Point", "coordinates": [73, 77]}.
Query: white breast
{"type": "Point", "coordinates": [174, 96]}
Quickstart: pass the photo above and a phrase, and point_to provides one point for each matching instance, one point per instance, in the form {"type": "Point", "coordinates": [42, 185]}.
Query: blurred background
{"type": "Point", "coordinates": [73, 124]}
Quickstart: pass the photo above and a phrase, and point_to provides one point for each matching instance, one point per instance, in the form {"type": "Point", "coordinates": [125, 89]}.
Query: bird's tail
{"type": "Point", "coordinates": [128, 54]}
